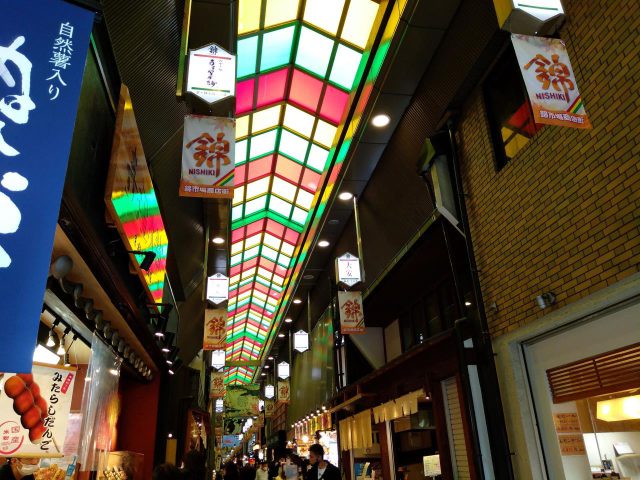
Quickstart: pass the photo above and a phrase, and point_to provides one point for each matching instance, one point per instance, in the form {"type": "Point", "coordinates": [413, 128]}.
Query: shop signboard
{"type": "Point", "coordinates": [217, 288]}
{"type": "Point", "coordinates": [241, 401]}
{"type": "Point", "coordinates": [212, 73]}
{"type": "Point", "coordinates": [348, 270]}
{"type": "Point", "coordinates": [351, 312]}
{"type": "Point", "coordinates": [34, 411]}
{"type": "Point", "coordinates": [269, 408]}
{"type": "Point", "coordinates": [284, 391]}
{"type": "Point", "coordinates": [215, 329]}
{"type": "Point", "coordinates": [431, 464]}
{"type": "Point", "coordinates": [43, 48]}
{"type": "Point", "coordinates": [217, 389]}
{"type": "Point", "coordinates": [131, 201]}
{"type": "Point", "coordinates": [550, 81]}
{"type": "Point", "coordinates": [230, 441]}
{"type": "Point", "coordinates": [208, 153]}
{"type": "Point", "coordinates": [301, 341]}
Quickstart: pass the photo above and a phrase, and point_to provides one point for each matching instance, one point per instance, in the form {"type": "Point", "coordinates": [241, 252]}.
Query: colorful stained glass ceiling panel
{"type": "Point", "coordinates": [298, 68]}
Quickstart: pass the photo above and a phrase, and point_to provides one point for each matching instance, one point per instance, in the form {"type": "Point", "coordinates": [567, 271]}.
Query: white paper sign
{"type": "Point", "coordinates": [348, 269]}
{"type": "Point", "coordinates": [431, 465]}
{"type": "Point", "coordinates": [34, 410]}
{"type": "Point", "coordinates": [217, 288]}
{"type": "Point", "coordinates": [212, 73]}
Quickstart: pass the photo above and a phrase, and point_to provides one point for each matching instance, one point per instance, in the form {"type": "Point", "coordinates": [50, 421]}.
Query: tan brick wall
{"type": "Point", "coordinates": [564, 214]}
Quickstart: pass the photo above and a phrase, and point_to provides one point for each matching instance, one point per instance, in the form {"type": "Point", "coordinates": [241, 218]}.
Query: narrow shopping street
{"type": "Point", "coordinates": [319, 239]}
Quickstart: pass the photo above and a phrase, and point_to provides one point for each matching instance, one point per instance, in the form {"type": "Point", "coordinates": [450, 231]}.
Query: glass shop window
{"type": "Point", "coordinates": [508, 108]}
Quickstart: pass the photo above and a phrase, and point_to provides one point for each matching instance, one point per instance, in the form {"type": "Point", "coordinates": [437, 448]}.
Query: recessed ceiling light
{"type": "Point", "coordinates": [333, 221]}
{"type": "Point", "coordinates": [218, 240]}
{"type": "Point", "coordinates": [266, 367]}
{"type": "Point", "coordinates": [308, 276]}
{"type": "Point", "coordinates": [281, 335]}
{"type": "Point", "coordinates": [263, 374]}
{"type": "Point", "coordinates": [467, 304]}
{"type": "Point", "coordinates": [323, 243]}
{"type": "Point", "coordinates": [345, 196]}
{"type": "Point", "coordinates": [381, 120]}
{"type": "Point", "coordinates": [288, 320]}
{"type": "Point", "coordinates": [297, 301]}
{"type": "Point", "coordinates": [270, 358]}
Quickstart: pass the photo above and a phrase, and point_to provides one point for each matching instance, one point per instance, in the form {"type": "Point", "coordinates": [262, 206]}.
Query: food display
{"type": "Point", "coordinates": [28, 403]}
{"type": "Point", "coordinates": [50, 473]}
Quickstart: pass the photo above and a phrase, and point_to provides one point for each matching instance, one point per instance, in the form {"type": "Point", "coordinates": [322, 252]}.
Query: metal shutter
{"type": "Point", "coordinates": [457, 444]}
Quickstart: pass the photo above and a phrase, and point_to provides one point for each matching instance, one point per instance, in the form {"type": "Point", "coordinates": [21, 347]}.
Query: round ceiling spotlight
{"type": "Point", "coordinates": [270, 358]}
{"type": "Point", "coordinates": [381, 120]}
{"type": "Point", "coordinates": [308, 276]}
{"type": "Point", "coordinates": [281, 335]}
{"type": "Point", "coordinates": [297, 301]}
{"type": "Point", "coordinates": [333, 221]}
{"type": "Point", "coordinates": [345, 196]}
{"type": "Point", "coordinates": [288, 320]}
{"type": "Point", "coordinates": [323, 244]}
{"type": "Point", "coordinates": [218, 240]}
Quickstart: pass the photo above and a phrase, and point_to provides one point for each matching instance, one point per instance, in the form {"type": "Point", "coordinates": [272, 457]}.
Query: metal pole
{"type": "Point", "coordinates": [309, 313]}
{"type": "Point", "coordinates": [356, 217]}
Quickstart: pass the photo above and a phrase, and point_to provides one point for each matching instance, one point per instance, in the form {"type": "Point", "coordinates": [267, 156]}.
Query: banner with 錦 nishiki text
{"type": "Point", "coordinates": [215, 329]}
{"type": "Point", "coordinates": [43, 49]}
{"type": "Point", "coordinates": [208, 152]}
{"type": "Point", "coordinates": [34, 410]}
{"type": "Point", "coordinates": [351, 312]}
{"type": "Point", "coordinates": [550, 81]}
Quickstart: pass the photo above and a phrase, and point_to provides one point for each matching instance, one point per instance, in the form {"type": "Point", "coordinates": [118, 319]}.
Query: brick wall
{"type": "Point", "coordinates": [563, 215]}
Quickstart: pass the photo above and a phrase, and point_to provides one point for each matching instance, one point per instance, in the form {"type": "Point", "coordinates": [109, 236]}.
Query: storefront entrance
{"type": "Point", "coordinates": [585, 391]}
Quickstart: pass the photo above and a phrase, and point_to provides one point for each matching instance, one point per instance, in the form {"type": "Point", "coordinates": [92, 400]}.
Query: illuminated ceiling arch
{"type": "Point", "coordinates": [299, 68]}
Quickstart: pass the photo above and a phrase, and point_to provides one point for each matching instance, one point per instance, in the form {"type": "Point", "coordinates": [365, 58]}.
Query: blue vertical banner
{"type": "Point", "coordinates": [43, 50]}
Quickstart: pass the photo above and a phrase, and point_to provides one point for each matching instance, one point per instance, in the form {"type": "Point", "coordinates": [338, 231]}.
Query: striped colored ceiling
{"type": "Point", "coordinates": [298, 67]}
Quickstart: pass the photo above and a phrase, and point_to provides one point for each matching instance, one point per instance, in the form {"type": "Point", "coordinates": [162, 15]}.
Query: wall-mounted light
{"type": "Point", "coordinates": [546, 300]}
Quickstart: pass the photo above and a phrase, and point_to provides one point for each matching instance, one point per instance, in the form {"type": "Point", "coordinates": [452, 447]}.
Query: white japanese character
{"type": "Point", "coordinates": [54, 91]}
{"type": "Point", "coordinates": [60, 60]}
{"type": "Point", "coordinates": [56, 74]}
{"type": "Point", "coordinates": [11, 216]}
{"type": "Point", "coordinates": [64, 45]}
{"type": "Point", "coordinates": [66, 30]}
{"type": "Point", "coordinates": [15, 107]}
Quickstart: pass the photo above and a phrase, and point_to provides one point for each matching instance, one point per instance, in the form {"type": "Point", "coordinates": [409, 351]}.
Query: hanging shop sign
{"type": "Point", "coordinates": [351, 312]}
{"type": "Point", "coordinates": [41, 65]}
{"type": "Point", "coordinates": [208, 152]}
{"type": "Point", "coordinates": [284, 391]}
{"type": "Point", "coordinates": [529, 17]}
{"type": "Point", "coordinates": [212, 73]}
{"type": "Point", "coordinates": [219, 405]}
{"type": "Point", "coordinates": [550, 81]}
{"type": "Point", "coordinates": [217, 288]}
{"type": "Point", "coordinates": [284, 370]}
{"type": "Point", "coordinates": [217, 389]}
{"type": "Point", "coordinates": [215, 329]}
{"type": "Point", "coordinates": [131, 201]}
{"type": "Point", "coordinates": [230, 441]}
{"type": "Point", "coordinates": [241, 401]}
{"type": "Point", "coordinates": [269, 408]}
{"type": "Point", "coordinates": [218, 358]}
{"type": "Point", "coordinates": [34, 410]}
{"type": "Point", "coordinates": [348, 271]}
{"type": "Point", "coordinates": [301, 341]}
{"type": "Point", "coordinates": [269, 391]}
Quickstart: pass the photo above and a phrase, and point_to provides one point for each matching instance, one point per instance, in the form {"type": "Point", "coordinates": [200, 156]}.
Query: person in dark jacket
{"type": "Point", "coordinates": [230, 471]}
{"type": "Point", "coordinates": [195, 465]}
{"type": "Point", "coordinates": [19, 468]}
{"type": "Point", "coordinates": [320, 468]}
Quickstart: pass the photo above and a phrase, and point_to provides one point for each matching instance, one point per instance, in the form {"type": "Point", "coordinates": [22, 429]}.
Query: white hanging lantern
{"type": "Point", "coordinates": [301, 341]}
{"type": "Point", "coordinates": [269, 391]}
{"type": "Point", "coordinates": [217, 359]}
{"type": "Point", "coordinates": [283, 370]}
